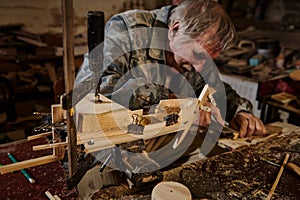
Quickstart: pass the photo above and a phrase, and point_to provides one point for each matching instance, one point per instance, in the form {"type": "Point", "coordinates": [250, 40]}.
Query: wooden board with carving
{"type": "Point", "coordinates": [229, 141]}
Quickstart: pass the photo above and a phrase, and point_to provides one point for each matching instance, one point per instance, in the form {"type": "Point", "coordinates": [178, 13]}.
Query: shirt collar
{"type": "Point", "coordinates": [159, 38]}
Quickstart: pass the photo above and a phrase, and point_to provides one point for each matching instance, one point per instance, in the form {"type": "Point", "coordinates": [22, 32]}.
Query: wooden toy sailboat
{"type": "Point", "coordinates": [104, 125]}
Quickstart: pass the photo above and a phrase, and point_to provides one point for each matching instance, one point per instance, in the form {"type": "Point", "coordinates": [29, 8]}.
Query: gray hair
{"type": "Point", "coordinates": [198, 17]}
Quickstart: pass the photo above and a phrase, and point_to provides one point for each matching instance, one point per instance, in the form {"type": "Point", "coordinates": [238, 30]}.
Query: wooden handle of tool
{"type": "Point", "coordinates": [278, 176]}
{"type": "Point", "coordinates": [294, 168]}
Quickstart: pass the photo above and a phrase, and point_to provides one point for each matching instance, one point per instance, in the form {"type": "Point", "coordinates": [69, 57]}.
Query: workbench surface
{"type": "Point", "coordinates": [49, 177]}
{"type": "Point", "coordinates": [238, 174]}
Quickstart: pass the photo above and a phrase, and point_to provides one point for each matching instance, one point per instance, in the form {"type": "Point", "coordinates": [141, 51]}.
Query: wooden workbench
{"type": "Point", "coordinates": [238, 174]}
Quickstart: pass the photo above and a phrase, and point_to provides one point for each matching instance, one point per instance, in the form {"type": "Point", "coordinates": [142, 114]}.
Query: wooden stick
{"type": "Point", "coordinates": [28, 163]}
{"type": "Point", "coordinates": [33, 137]}
{"type": "Point", "coordinates": [69, 74]}
{"type": "Point", "coordinates": [49, 195]}
{"type": "Point", "coordinates": [278, 176]}
{"type": "Point", "coordinates": [56, 197]}
{"type": "Point", "coordinates": [49, 146]}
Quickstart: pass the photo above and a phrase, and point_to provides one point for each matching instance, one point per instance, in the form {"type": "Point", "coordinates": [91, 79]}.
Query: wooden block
{"type": "Point", "coordinates": [58, 114]}
{"type": "Point", "coordinates": [283, 98]}
{"type": "Point", "coordinates": [170, 190]}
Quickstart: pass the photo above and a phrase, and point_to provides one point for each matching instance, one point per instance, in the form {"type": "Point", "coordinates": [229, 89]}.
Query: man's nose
{"type": "Point", "coordinates": [199, 65]}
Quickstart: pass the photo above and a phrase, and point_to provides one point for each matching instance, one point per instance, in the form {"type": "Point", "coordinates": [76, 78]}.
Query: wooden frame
{"type": "Point", "coordinates": [58, 149]}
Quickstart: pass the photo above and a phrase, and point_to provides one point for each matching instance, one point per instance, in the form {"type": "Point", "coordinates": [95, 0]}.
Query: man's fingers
{"type": "Point", "coordinates": [243, 128]}
{"type": "Point", "coordinates": [204, 118]}
{"type": "Point", "coordinates": [208, 118]}
{"type": "Point", "coordinates": [206, 112]}
{"type": "Point", "coordinates": [260, 128]}
{"type": "Point", "coordinates": [217, 114]}
{"type": "Point", "coordinates": [251, 127]}
{"type": "Point", "coordinates": [201, 118]}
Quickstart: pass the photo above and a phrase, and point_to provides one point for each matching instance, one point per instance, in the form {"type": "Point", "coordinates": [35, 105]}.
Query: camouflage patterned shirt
{"type": "Point", "coordinates": [135, 73]}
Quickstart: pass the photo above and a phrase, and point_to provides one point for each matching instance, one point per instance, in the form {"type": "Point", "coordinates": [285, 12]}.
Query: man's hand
{"type": "Point", "coordinates": [247, 124]}
{"type": "Point", "coordinates": [207, 111]}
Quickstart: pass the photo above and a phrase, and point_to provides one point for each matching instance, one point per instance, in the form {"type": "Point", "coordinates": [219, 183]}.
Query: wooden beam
{"type": "Point", "coordinates": [69, 74]}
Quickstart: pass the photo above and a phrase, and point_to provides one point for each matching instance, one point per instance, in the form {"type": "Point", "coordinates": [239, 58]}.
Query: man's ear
{"type": "Point", "coordinates": [173, 29]}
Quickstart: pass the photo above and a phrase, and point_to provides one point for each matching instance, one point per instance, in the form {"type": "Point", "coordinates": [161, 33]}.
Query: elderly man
{"type": "Point", "coordinates": [192, 28]}
{"type": "Point", "coordinates": [168, 53]}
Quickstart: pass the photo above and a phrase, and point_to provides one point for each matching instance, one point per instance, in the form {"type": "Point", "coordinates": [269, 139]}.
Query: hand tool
{"type": "Point", "coordinates": [291, 166]}
{"type": "Point", "coordinates": [101, 169]}
{"type": "Point", "coordinates": [227, 130]}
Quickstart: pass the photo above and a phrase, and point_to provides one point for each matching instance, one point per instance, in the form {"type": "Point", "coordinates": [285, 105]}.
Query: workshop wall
{"type": "Point", "coordinates": [286, 12]}
{"type": "Point", "coordinates": [283, 12]}
{"type": "Point", "coordinates": [45, 16]}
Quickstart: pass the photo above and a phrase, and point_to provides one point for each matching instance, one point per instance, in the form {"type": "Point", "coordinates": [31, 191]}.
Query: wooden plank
{"type": "Point", "coordinates": [69, 74]}
{"type": "Point", "coordinates": [28, 163]}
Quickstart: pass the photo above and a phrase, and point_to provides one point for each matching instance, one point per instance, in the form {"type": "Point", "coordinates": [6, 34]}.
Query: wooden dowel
{"type": "Point", "coordinates": [56, 197]}
{"type": "Point", "coordinates": [49, 146]}
{"type": "Point", "coordinates": [33, 137]}
{"type": "Point", "coordinates": [278, 177]}
{"type": "Point", "coordinates": [49, 195]}
{"type": "Point", "coordinates": [294, 168]}
{"type": "Point", "coordinates": [28, 163]}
